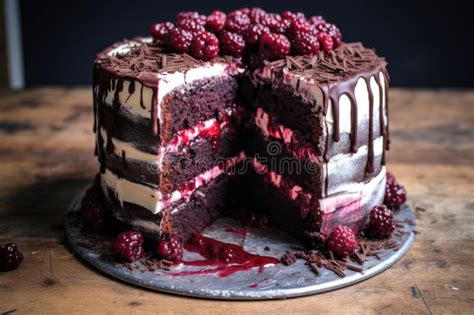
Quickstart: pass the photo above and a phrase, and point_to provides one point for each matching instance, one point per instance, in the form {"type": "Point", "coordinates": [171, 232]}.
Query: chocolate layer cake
{"type": "Point", "coordinates": [301, 138]}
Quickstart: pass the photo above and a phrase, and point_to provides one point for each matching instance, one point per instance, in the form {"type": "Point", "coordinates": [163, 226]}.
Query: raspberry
{"type": "Point", "coordinates": [390, 178]}
{"type": "Point", "coordinates": [10, 257]}
{"type": "Point", "coordinates": [205, 46]}
{"type": "Point", "coordinates": [380, 222]}
{"type": "Point", "coordinates": [305, 43]}
{"type": "Point", "coordinates": [288, 15]}
{"type": "Point", "coordinates": [179, 40]}
{"type": "Point", "coordinates": [237, 22]}
{"type": "Point", "coordinates": [254, 32]}
{"type": "Point", "coordinates": [160, 30]}
{"type": "Point", "coordinates": [256, 15]}
{"type": "Point", "coordinates": [342, 241]}
{"type": "Point", "coordinates": [201, 19]}
{"type": "Point", "coordinates": [191, 25]}
{"type": "Point", "coordinates": [232, 44]}
{"type": "Point", "coordinates": [332, 30]}
{"type": "Point", "coordinates": [300, 25]}
{"type": "Point", "coordinates": [395, 194]}
{"type": "Point", "coordinates": [274, 46]}
{"type": "Point", "coordinates": [245, 11]}
{"type": "Point", "coordinates": [326, 42]}
{"type": "Point", "coordinates": [93, 212]}
{"type": "Point", "coordinates": [216, 21]}
{"type": "Point", "coordinates": [93, 217]}
{"type": "Point", "coordinates": [275, 23]}
{"type": "Point", "coordinates": [170, 249]}
{"type": "Point", "coordinates": [129, 246]}
{"type": "Point", "coordinates": [316, 20]}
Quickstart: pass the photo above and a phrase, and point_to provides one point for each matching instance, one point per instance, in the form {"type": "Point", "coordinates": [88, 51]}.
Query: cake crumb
{"type": "Point", "coordinates": [288, 259]}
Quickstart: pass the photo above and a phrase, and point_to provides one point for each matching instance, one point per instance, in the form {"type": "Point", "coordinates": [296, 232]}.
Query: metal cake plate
{"type": "Point", "coordinates": [273, 282]}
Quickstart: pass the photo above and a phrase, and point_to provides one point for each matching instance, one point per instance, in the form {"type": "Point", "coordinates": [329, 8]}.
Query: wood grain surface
{"type": "Point", "coordinates": [46, 157]}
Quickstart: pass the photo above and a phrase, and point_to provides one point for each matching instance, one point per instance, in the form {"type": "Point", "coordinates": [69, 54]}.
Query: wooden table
{"type": "Point", "coordinates": [46, 156]}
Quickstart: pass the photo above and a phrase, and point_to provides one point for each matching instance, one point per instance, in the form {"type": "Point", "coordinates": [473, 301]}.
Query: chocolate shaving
{"type": "Point", "coordinates": [314, 268]}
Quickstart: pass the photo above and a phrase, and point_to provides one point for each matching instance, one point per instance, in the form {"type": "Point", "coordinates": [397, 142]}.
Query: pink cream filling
{"type": "Point", "coordinates": [210, 129]}
{"type": "Point", "coordinates": [186, 190]}
{"type": "Point", "coordinates": [280, 132]}
{"type": "Point", "coordinates": [337, 208]}
{"type": "Point", "coordinates": [290, 190]}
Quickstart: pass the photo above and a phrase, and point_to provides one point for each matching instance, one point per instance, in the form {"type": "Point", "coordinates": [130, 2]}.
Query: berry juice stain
{"type": "Point", "coordinates": [224, 259]}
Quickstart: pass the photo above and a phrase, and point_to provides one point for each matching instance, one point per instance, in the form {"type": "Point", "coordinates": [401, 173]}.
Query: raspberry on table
{"type": "Point", "coordinates": [191, 25]}
{"type": "Point", "coordinates": [274, 46]}
{"type": "Point", "coordinates": [129, 246]}
{"type": "Point", "coordinates": [237, 22]}
{"type": "Point", "coordinates": [10, 257]}
{"type": "Point", "coordinates": [380, 222]}
{"type": "Point", "coordinates": [390, 178]}
{"type": "Point", "coordinates": [160, 30]}
{"type": "Point", "coordinates": [179, 40]}
{"type": "Point", "coordinates": [395, 194]}
{"type": "Point", "coordinates": [232, 43]}
{"type": "Point", "coordinates": [325, 41]}
{"type": "Point", "coordinates": [171, 249]}
{"type": "Point", "coordinates": [304, 43]}
{"type": "Point", "coordinates": [215, 21]}
{"type": "Point", "coordinates": [342, 241]}
{"type": "Point", "coordinates": [205, 46]}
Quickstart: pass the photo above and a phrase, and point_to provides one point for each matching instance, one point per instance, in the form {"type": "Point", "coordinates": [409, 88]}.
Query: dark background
{"type": "Point", "coordinates": [427, 44]}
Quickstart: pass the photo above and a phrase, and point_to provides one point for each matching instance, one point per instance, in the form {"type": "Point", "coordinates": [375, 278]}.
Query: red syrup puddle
{"type": "Point", "coordinates": [226, 258]}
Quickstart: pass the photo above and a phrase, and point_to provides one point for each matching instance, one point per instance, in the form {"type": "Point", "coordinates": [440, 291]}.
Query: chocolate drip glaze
{"type": "Point", "coordinates": [124, 159]}
{"type": "Point", "coordinates": [103, 83]}
{"type": "Point", "coordinates": [333, 92]}
{"type": "Point", "coordinates": [335, 113]}
{"type": "Point", "coordinates": [381, 116]}
{"type": "Point", "coordinates": [154, 111]}
{"type": "Point", "coordinates": [141, 97]}
{"type": "Point", "coordinates": [131, 89]}
{"type": "Point", "coordinates": [370, 145]}
{"type": "Point", "coordinates": [94, 99]}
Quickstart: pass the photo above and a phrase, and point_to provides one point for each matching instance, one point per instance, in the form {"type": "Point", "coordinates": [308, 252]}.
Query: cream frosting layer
{"type": "Point", "coordinates": [152, 199]}
{"type": "Point", "coordinates": [342, 165]}
{"type": "Point", "coordinates": [364, 191]}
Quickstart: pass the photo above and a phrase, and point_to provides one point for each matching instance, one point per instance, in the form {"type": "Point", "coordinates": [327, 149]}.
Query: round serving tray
{"type": "Point", "coordinates": [273, 282]}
